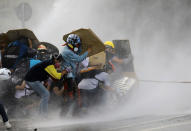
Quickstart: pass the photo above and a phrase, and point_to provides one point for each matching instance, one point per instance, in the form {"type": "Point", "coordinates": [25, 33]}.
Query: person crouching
{"type": "Point", "coordinates": [41, 72]}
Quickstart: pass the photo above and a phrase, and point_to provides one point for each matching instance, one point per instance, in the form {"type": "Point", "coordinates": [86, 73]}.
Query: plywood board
{"type": "Point", "coordinates": [13, 35]}
{"type": "Point", "coordinates": [89, 40]}
{"type": "Point", "coordinates": [4, 40]}
{"type": "Point", "coordinates": [98, 59]}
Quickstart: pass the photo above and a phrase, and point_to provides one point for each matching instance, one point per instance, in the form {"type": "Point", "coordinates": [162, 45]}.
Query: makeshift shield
{"type": "Point", "coordinates": [89, 40]}
{"type": "Point", "coordinates": [98, 60]}
{"type": "Point", "coordinates": [14, 35]}
{"type": "Point", "coordinates": [4, 40]}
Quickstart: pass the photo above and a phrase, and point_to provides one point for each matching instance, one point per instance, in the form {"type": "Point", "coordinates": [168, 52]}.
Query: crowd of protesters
{"type": "Point", "coordinates": [67, 75]}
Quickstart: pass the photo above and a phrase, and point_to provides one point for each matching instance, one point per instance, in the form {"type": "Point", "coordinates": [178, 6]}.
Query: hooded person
{"type": "Point", "coordinates": [41, 72]}
{"type": "Point", "coordinates": [70, 54]}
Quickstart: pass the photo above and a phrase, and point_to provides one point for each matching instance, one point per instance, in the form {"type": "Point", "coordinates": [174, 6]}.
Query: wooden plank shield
{"type": "Point", "coordinates": [4, 41]}
{"type": "Point", "coordinates": [89, 40]}
{"type": "Point", "coordinates": [98, 60]}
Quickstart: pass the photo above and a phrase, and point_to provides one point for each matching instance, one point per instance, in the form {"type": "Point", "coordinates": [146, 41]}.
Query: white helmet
{"type": "Point", "coordinates": [5, 74]}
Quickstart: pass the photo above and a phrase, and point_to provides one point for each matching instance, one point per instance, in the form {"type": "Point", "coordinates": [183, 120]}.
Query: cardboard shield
{"type": "Point", "coordinates": [89, 40]}
{"type": "Point", "coordinates": [98, 60]}
{"type": "Point", "coordinates": [13, 35]}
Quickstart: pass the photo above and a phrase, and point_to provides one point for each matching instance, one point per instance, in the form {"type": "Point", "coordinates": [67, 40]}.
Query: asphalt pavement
{"type": "Point", "coordinates": [147, 123]}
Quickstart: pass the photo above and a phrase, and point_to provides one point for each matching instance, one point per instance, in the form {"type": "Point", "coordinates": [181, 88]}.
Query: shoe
{"type": "Point", "coordinates": [8, 125]}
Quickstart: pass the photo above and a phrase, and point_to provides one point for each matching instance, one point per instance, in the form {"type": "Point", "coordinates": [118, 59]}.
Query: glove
{"type": "Point", "coordinates": [68, 69]}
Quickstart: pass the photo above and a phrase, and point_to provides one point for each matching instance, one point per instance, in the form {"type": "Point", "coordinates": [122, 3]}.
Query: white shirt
{"type": "Point", "coordinates": [85, 62]}
{"type": "Point", "coordinates": [92, 83]}
{"type": "Point", "coordinates": [25, 92]}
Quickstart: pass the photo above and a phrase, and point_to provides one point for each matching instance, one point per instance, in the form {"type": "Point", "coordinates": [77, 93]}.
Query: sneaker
{"type": "Point", "coordinates": [8, 125]}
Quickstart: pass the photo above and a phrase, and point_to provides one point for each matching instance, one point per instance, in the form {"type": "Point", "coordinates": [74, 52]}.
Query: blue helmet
{"type": "Point", "coordinates": [74, 42]}
{"type": "Point", "coordinates": [73, 39]}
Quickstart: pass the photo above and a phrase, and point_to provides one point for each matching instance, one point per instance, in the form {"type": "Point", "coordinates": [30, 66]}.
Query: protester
{"type": "Point", "coordinates": [20, 47]}
{"type": "Point", "coordinates": [42, 53]}
{"type": "Point", "coordinates": [90, 92]}
{"type": "Point", "coordinates": [41, 72]}
{"type": "Point", "coordinates": [111, 58]}
{"type": "Point", "coordinates": [4, 116]}
{"type": "Point", "coordinates": [24, 89]}
{"type": "Point", "coordinates": [2, 109]}
{"type": "Point", "coordinates": [30, 61]}
{"type": "Point", "coordinates": [71, 57]}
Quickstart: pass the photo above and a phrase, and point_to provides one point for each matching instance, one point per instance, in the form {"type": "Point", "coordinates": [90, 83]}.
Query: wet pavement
{"type": "Point", "coordinates": [149, 123]}
{"type": "Point", "coordinates": [153, 99]}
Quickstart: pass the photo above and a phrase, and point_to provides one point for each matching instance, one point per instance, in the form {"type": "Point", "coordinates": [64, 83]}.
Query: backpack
{"type": "Point", "coordinates": [5, 74]}
{"type": "Point", "coordinates": [21, 69]}
{"type": "Point", "coordinates": [10, 55]}
{"type": "Point", "coordinates": [14, 53]}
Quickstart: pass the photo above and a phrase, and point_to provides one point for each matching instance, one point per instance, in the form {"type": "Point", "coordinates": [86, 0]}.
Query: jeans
{"type": "Point", "coordinates": [3, 113]}
{"type": "Point", "coordinates": [38, 87]}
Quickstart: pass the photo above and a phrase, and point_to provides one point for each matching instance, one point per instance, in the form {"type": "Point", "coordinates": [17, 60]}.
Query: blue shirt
{"type": "Point", "coordinates": [34, 62]}
{"type": "Point", "coordinates": [71, 60]}
{"type": "Point", "coordinates": [22, 51]}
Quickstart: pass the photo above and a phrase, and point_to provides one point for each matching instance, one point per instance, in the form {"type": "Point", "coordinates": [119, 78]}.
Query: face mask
{"type": "Point", "coordinates": [75, 49]}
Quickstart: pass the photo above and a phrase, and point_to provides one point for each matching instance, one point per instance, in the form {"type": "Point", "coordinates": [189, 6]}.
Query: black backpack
{"type": "Point", "coordinates": [10, 56]}
{"type": "Point", "coordinates": [20, 71]}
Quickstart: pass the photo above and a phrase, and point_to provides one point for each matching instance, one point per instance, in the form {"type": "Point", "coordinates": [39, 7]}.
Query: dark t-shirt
{"type": "Point", "coordinates": [37, 72]}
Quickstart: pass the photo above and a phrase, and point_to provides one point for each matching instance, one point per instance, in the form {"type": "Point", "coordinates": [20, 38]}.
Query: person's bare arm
{"type": "Point", "coordinates": [48, 87]}
{"type": "Point", "coordinates": [58, 91]}
{"type": "Point", "coordinates": [21, 87]}
{"type": "Point", "coordinates": [88, 69]}
{"type": "Point", "coordinates": [122, 61]}
{"type": "Point", "coordinates": [30, 43]}
{"type": "Point", "coordinates": [117, 60]}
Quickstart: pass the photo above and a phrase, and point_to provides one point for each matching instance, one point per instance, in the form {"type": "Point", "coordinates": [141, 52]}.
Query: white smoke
{"type": "Point", "coordinates": [158, 32]}
{"type": "Point", "coordinates": [159, 37]}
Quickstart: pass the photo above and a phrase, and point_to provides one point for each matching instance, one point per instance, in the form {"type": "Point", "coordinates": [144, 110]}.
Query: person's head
{"type": "Point", "coordinates": [43, 53]}
{"type": "Point", "coordinates": [73, 42]}
{"type": "Point", "coordinates": [57, 58]}
{"type": "Point", "coordinates": [109, 47]}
